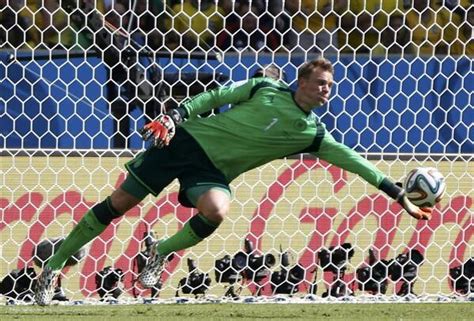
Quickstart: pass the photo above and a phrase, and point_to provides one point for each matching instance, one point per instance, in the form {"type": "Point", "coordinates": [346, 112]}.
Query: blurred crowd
{"type": "Point", "coordinates": [420, 27]}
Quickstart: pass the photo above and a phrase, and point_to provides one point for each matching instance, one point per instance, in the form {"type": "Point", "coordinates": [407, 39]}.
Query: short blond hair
{"type": "Point", "coordinates": [307, 68]}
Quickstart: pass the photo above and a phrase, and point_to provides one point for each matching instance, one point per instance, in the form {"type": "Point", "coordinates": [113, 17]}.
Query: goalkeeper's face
{"type": "Point", "coordinates": [315, 90]}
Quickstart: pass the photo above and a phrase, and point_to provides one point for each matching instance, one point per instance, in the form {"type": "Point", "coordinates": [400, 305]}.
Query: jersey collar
{"type": "Point", "coordinates": [307, 113]}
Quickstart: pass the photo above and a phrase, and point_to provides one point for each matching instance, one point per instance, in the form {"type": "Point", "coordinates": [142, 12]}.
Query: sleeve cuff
{"type": "Point", "coordinates": [391, 189]}
{"type": "Point", "coordinates": [182, 111]}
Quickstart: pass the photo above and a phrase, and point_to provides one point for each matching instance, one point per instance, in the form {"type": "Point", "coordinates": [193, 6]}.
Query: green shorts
{"type": "Point", "coordinates": [183, 159]}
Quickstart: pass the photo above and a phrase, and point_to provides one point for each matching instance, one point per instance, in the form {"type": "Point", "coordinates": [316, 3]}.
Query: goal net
{"type": "Point", "coordinates": [78, 79]}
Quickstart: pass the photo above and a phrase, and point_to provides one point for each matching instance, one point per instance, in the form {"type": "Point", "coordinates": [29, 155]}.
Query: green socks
{"type": "Point", "coordinates": [193, 232]}
{"type": "Point", "coordinates": [87, 229]}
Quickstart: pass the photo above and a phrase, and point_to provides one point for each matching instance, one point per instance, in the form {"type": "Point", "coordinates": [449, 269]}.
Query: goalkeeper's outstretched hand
{"type": "Point", "coordinates": [161, 130]}
{"type": "Point", "coordinates": [420, 213]}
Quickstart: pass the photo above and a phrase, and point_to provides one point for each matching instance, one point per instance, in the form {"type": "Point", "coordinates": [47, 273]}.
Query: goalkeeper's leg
{"type": "Point", "coordinates": [91, 225]}
{"type": "Point", "coordinates": [213, 205]}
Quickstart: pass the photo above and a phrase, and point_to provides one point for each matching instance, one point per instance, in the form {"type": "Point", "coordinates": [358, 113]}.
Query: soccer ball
{"type": "Point", "coordinates": [424, 186]}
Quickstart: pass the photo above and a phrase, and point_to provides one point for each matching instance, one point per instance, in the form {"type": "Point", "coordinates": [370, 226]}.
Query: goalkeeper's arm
{"type": "Point", "coordinates": [162, 129]}
{"type": "Point", "coordinates": [218, 97]}
{"type": "Point", "coordinates": [346, 158]}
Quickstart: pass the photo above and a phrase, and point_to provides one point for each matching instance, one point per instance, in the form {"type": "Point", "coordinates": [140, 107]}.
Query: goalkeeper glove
{"type": "Point", "coordinates": [395, 191]}
{"type": "Point", "coordinates": [162, 129]}
{"type": "Point", "coordinates": [420, 213]}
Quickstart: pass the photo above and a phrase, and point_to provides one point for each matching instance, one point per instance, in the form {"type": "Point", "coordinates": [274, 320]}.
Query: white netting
{"type": "Point", "coordinates": [77, 82]}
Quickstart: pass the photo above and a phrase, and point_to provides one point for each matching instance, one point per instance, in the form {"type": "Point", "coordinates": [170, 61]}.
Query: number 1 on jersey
{"type": "Point", "coordinates": [273, 122]}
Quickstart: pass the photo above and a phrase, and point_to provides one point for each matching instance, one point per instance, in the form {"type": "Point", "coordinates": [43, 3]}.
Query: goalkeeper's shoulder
{"type": "Point", "coordinates": [259, 81]}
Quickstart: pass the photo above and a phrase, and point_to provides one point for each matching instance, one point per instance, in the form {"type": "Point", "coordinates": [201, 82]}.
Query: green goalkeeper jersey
{"type": "Point", "coordinates": [265, 123]}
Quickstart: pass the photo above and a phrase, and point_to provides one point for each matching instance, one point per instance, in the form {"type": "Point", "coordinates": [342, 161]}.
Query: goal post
{"type": "Point", "coordinates": [320, 231]}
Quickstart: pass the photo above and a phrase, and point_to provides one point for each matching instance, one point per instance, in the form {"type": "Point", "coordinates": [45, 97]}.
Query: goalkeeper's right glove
{"type": "Point", "coordinates": [162, 129]}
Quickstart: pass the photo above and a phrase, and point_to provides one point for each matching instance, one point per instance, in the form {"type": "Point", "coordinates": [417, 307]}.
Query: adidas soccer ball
{"type": "Point", "coordinates": [424, 186]}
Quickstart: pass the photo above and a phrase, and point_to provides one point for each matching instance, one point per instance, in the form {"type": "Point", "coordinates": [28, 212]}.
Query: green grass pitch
{"type": "Point", "coordinates": [244, 312]}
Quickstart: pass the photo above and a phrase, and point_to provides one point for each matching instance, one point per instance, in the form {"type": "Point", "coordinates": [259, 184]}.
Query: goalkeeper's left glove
{"type": "Point", "coordinates": [162, 129]}
{"type": "Point", "coordinates": [420, 213]}
{"type": "Point", "coordinates": [395, 191]}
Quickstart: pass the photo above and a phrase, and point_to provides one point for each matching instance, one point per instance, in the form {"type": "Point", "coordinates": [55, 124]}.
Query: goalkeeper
{"type": "Point", "coordinates": [268, 121]}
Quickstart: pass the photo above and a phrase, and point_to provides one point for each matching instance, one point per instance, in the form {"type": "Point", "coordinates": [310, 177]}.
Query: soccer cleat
{"type": "Point", "coordinates": [151, 273]}
{"type": "Point", "coordinates": [45, 286]}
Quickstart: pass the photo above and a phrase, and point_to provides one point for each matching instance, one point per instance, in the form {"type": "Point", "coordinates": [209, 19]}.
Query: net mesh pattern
{"type": "Point", "coordinates": [78, 79]}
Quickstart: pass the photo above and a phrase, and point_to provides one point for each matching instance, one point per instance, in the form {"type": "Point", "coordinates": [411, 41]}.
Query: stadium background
{"type": "Point", "coordinates": [400, 111]}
